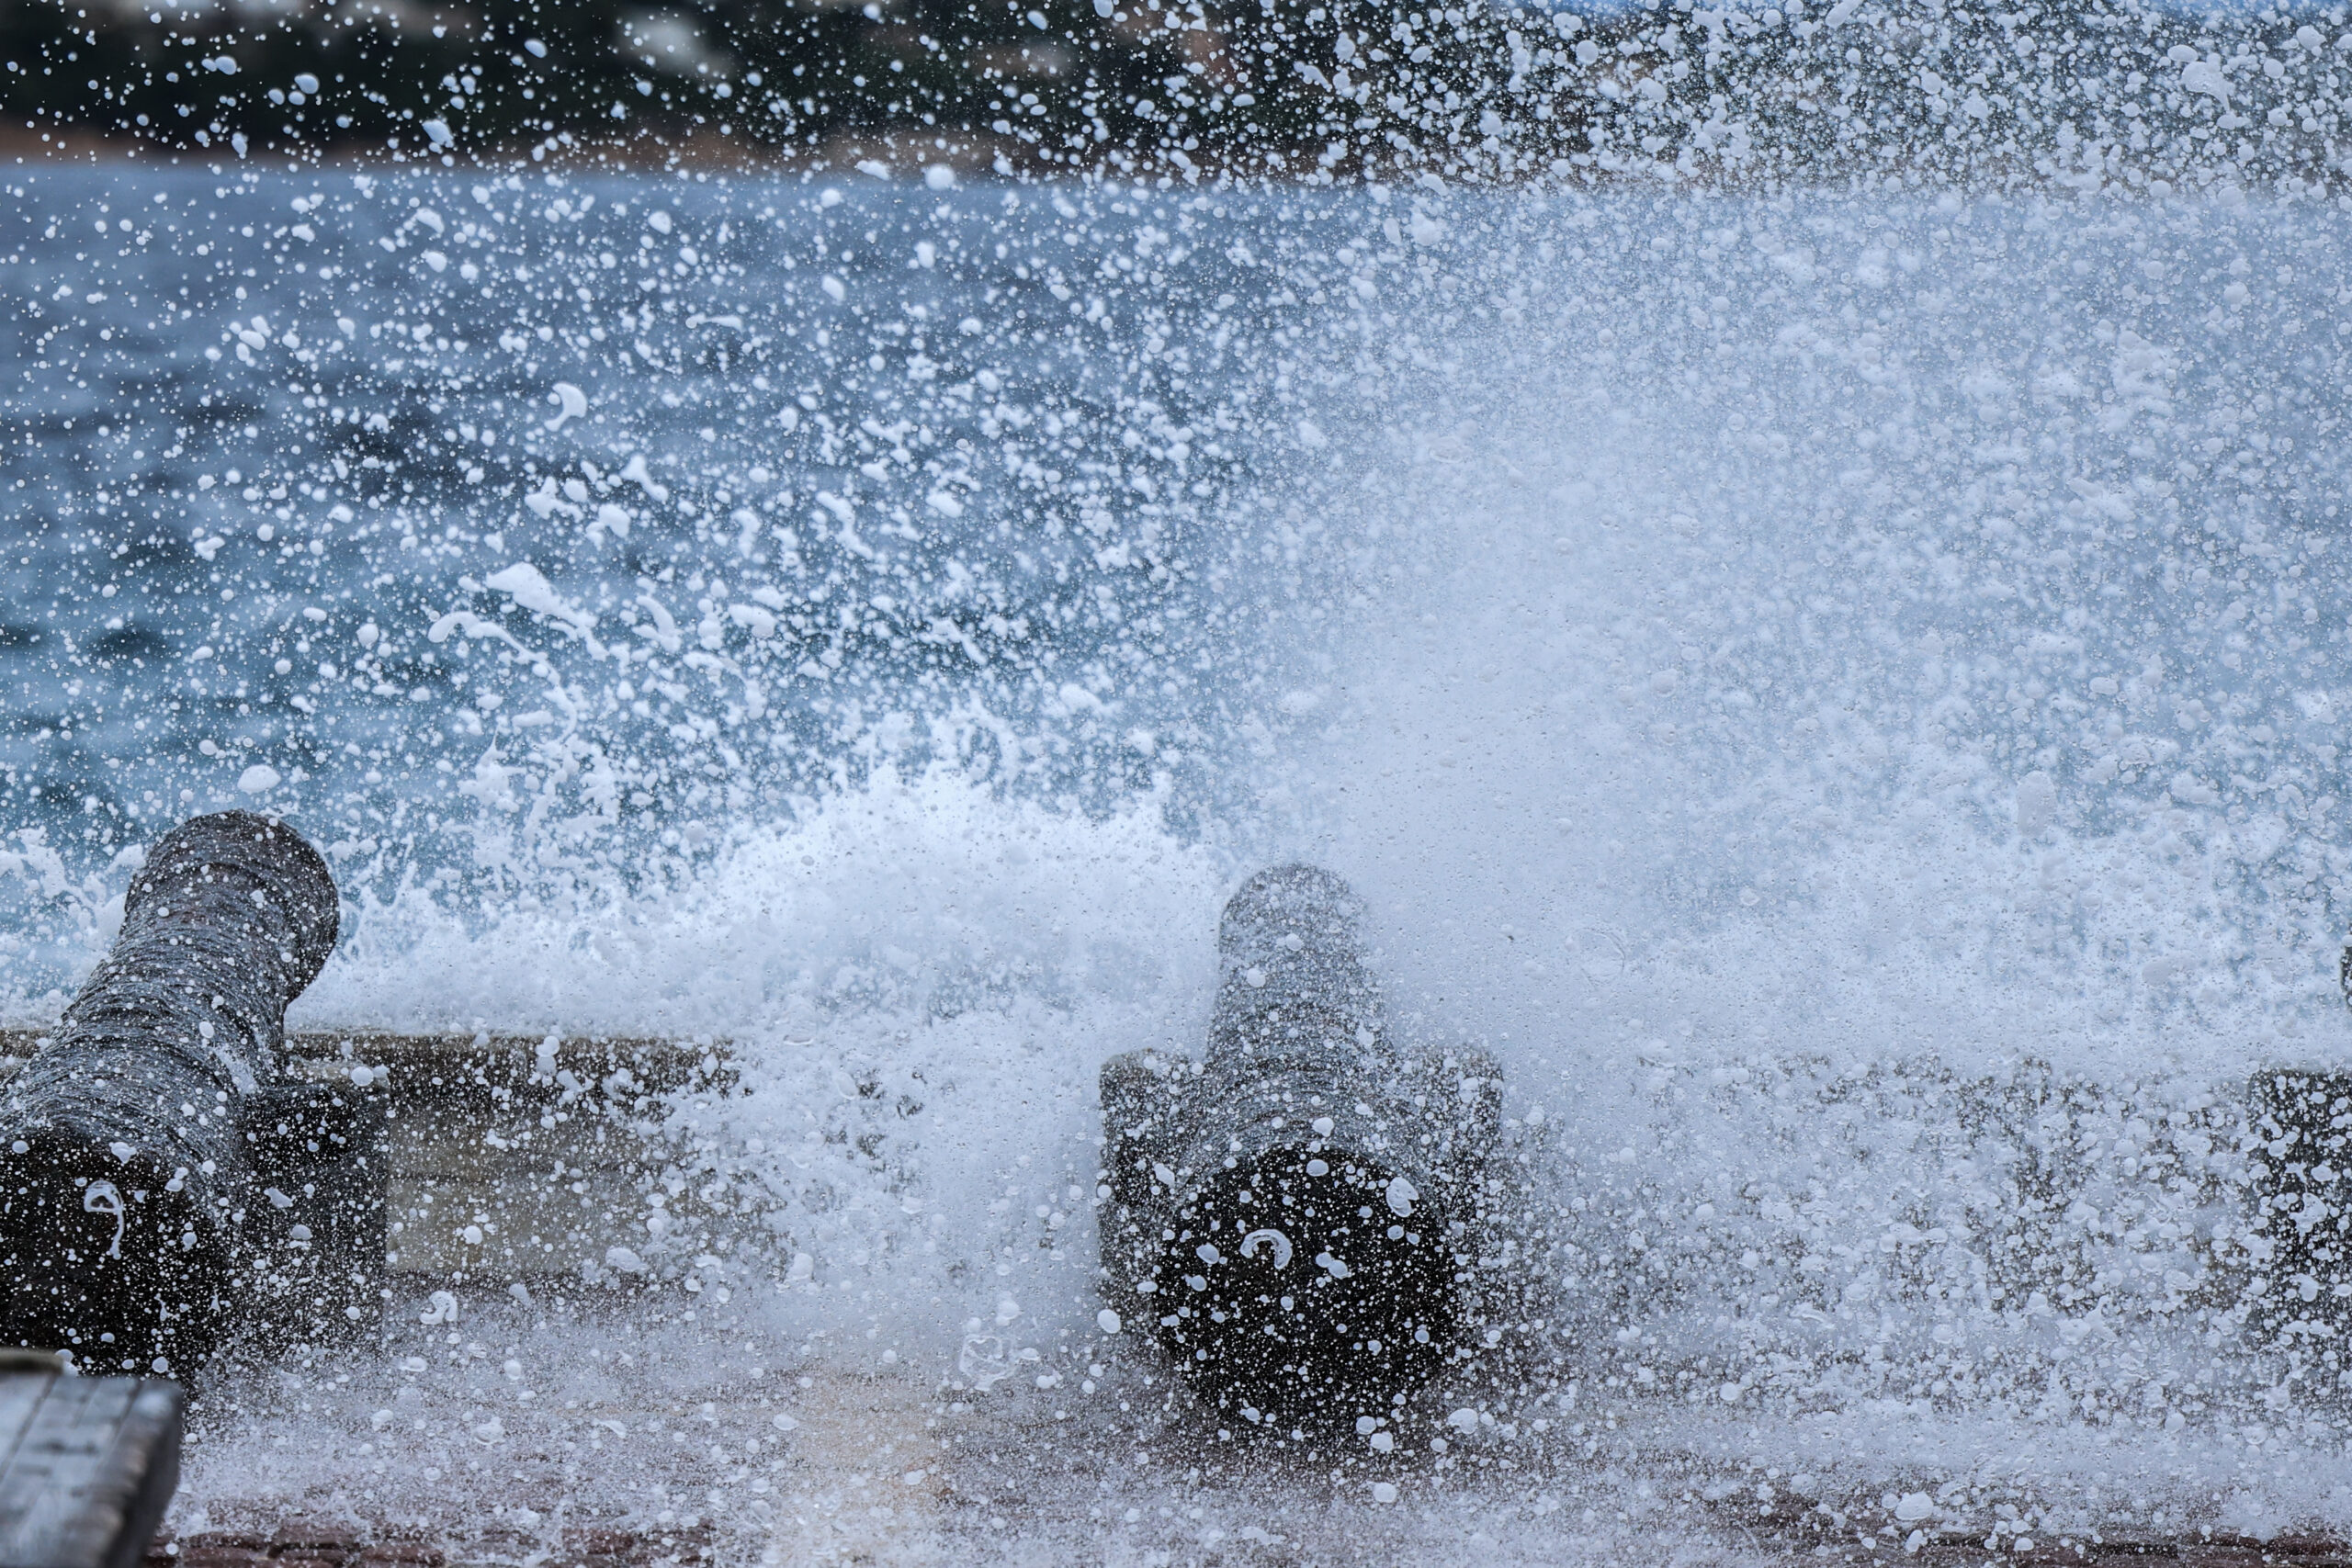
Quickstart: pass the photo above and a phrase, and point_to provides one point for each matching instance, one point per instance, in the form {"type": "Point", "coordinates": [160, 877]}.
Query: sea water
{"type": "Point", "coordinates": [1839, 696]}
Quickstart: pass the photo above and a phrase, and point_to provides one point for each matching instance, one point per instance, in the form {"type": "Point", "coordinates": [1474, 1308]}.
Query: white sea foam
{"type": "Point", "coordinates": [1852, 753]}
{"type": "Point", "coordinates": [906, 900]}
{"type": "Point", "coordinates": [1849, 724]}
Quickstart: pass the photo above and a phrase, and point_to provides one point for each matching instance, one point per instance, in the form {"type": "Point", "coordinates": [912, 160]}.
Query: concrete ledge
{"type": "Point", "coordinates": [457, 1158]}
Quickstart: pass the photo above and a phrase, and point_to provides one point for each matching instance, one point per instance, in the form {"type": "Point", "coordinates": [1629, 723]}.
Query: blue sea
{"type": "Point", "coordinates": [1786, 673]}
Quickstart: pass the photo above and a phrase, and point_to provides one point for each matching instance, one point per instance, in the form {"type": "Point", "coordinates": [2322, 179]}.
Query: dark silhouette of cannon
{"type": "Point", "coordinates": [1296, 1217]}
{"type": "Point", "coordinates": [156, 1166]}
{"type": "Point", "coordinates": [2301, 1195]}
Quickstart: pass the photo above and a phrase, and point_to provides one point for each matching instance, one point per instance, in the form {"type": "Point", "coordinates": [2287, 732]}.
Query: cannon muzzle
{"type": "Point", "coordinates": [1294, 1214]}
{"type": "Point", "coordinates": [135, 1144]}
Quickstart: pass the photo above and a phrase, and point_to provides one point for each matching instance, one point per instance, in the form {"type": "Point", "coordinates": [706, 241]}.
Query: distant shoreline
{"type": "Point", "coordinates": [901, 154]}
{"type": "Point", "coordinates": [1697, 99]}
{"type": "Point", "coordinates": [897, 156]}
{"type": "Point", "coordinates": [902, 160]}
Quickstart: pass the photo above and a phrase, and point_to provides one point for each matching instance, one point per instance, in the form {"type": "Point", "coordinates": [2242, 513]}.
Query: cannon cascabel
{"type": "Point", "coordinates": [126, 1163]}
{"type": "Point", "coordinates": [1292, 1216]}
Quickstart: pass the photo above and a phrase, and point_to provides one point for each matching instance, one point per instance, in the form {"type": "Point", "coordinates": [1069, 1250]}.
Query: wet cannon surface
{"type": "Point", "coordinates": [158, 1168]}
{"type": "Point", "coordinates": [1293, 1215]}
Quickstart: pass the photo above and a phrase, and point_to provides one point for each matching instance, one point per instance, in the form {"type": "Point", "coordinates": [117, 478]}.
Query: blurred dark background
{"type": "Point", "coordinates": [1033, 83]}
{"type": "Point", "coordinates": [2064, 90]}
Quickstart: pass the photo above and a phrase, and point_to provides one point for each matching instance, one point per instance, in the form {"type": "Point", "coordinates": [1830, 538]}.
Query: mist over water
{"type": "Point", "coordinates": [1905, 596]}
{"type": "Point", "coordinates": [1840, 695]}
{"type": "Point", "coordinates": [1850, 703]}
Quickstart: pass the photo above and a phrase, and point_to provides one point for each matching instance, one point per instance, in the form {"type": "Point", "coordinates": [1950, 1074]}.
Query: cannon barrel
{"type": "Point", "coordinates": [128, 1154]}
{"type": "Point", "coordinates": [1292, 1214]}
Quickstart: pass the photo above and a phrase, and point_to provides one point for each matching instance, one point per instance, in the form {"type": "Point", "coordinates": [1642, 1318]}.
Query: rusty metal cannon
{"type": "Point", "coordinates": [1295, 1217]}
{"type": "Point", "coordinates": [158, 1170]}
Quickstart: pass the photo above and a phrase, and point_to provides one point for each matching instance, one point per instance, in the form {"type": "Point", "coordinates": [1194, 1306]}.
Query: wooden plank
{"type": "Point", "coordinates": [70, 1433]}
{"type": "Point", "coordinates": [18, 1396]}
{"type": "Point", "coordinates": [91, 1464]}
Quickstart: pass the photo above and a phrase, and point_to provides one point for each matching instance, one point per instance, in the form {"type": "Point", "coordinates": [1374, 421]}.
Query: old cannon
{"type": "Point", "coordinates": [163, 1184]}
{"type": "Point", "coordinates": [1297, 1215]}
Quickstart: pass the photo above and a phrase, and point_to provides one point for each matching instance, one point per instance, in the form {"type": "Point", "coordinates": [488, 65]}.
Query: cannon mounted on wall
{"type": "Point", "coordinates": [164, 1184]}
{"type": "Point", "coordinates": [1296, 1217]}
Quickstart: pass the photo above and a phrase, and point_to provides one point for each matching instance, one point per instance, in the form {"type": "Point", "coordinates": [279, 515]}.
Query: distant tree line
{"type": "Point", "coordinates": [1033, 82]}
{"type": "Point", "coordinates": [2081, 92]}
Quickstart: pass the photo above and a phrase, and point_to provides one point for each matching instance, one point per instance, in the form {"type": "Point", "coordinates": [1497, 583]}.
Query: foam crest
{"type": "Point", "coordinates": [1860, 755]}
{"type": "Point", "coordinates": [908, 898]}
